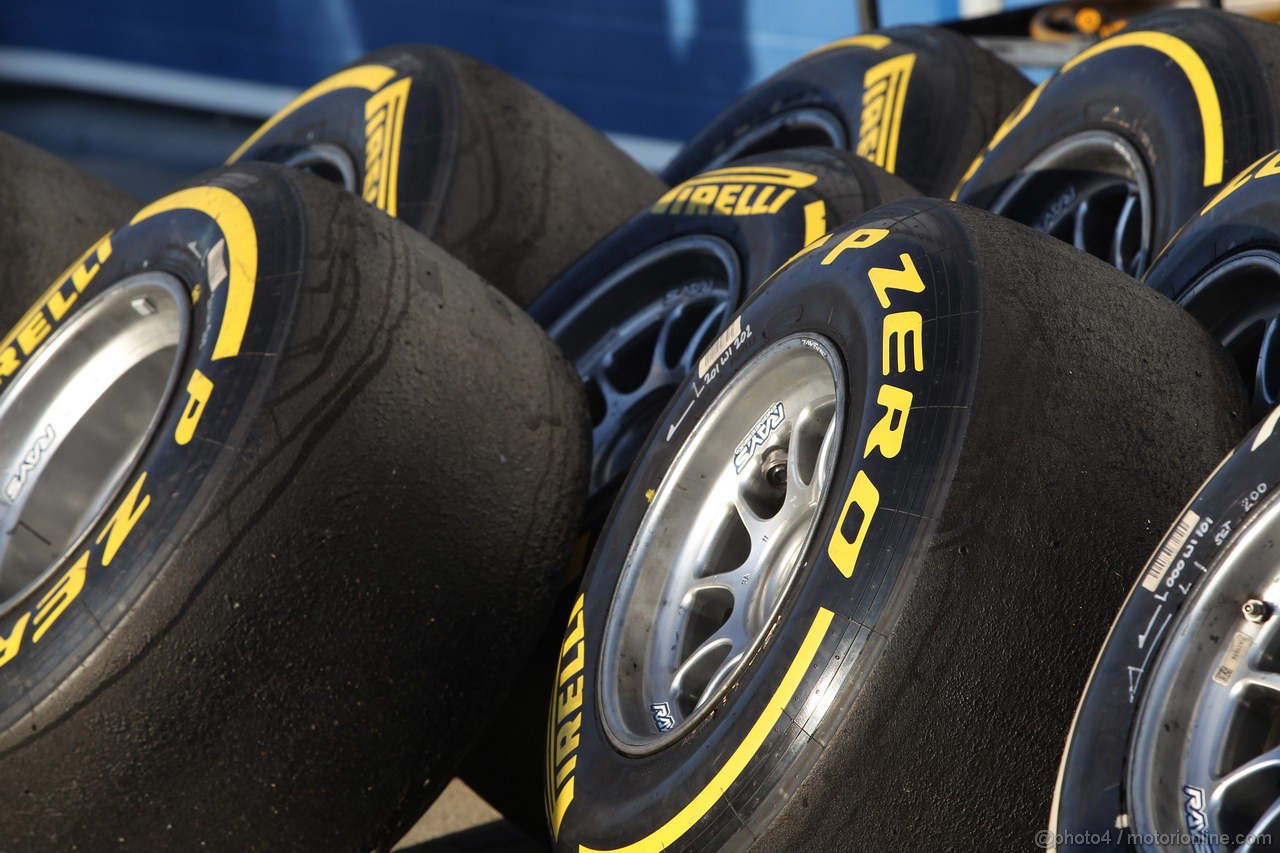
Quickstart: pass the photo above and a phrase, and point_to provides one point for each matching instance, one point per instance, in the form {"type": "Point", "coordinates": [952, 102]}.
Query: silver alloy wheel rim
{"type": "Point", "coordinates": [1238, 302]}
{"type": "Point", "coordinates": [631, 358]}
{"type": "Point", "coordinates": [326, 161]}
{"type": "Point", "coordinates": [810, 127]}
{"type": "Point", "coordinates": [1207, 735]}
{"type": "Point", "coordinates": [77, 416]}
{"type": "Point", "coordinates": [722, 542]}
{"type": "Point", "coordinates": [1109, 215]}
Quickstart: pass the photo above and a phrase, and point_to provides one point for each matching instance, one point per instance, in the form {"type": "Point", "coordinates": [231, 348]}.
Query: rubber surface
{"type": "Point", "coordinates": [333, 577]}
{"type": "Point", "coordinates": [1092, 779]}
{"type": "Point", "coordinates": [1242, 219]}
{"type": "Point", "coordinates": [1195, 91]}
{"type": "Point", "coordinates": [508, 182]}
{"type": "Point", "coordinates": [49, 212]}
{"type": "Point", "coordinates": [1091, 784]}
{"type": "Point", "coordinates": [507, 766]}
{"type": "Point", "coordinates": [925, 663]}
{"type": "Point", "coordinates": [919, 101]}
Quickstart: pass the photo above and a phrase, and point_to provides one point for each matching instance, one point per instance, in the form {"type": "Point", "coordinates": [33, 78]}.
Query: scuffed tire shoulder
{"type": "Point", "coordinates": [916, 101]}
{"type": "Point", "coordinates": [510, 183]}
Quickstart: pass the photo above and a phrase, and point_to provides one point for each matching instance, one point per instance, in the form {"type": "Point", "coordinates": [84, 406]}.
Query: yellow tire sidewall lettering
{"type": "Point", "coordinates": [239, 240]}
{"type": "Point", "coordinates": [384, 129]}
{"type": "Point", "coordinates": [565, 718]}
{"type": "Point", "coordinates": [367, 77]}
{"type": "Point", "coordinates": [1177, 51]}
{"type": "Point", "coordinates": [236, 224]}
{"type": "Point", "coordinates": [50, 309]}
{"type": "Point", "coordinates": [671, 831]}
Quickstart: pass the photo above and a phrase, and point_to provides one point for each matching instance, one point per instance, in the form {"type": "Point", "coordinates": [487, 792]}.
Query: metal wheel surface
{"type": "Point", "coordinates": [634, 336]}
{"type": "Point", "coordinates": [721, 543]}
{"type": "Point", "coordinates": [77, 416]}
{"type": "Point", "coordinates": [1091, 190]}
{"type": "Point", "coordinates": [1209, 727]}
{"type": "Point", "coordinates": [808, 127]}
{"type": "Point", "coordinates": [1238, 301]}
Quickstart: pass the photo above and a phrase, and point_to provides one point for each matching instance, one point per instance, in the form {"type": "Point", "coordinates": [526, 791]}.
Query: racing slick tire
{"type": "Point", "coordinates": [633, 314]}
{"type": "Point", "coordinates": [285, 490]}
{"type": "Point", "coordinates": [1223, 266]}
{"type": "Point", "coordinates": [1135, 133]}
{"type": "Point", "coordinates": [502, 178]}
{"type": "Point", "coordinates": [918, 101]}
{"type": "Point", "coordinates": [1195, 638]}
{"type": "Point", "coordinates": [919, 459]}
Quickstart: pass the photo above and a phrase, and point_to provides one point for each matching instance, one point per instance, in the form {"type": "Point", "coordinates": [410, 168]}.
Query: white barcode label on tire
{"type": "Point", "coordinates": [1172, 545]}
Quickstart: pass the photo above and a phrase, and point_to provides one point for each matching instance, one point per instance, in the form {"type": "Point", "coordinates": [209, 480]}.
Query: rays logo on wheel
{"type": "Point", "coordinates": [765, 427]}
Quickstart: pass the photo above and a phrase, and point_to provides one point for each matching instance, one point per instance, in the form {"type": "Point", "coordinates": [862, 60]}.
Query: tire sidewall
{"type": "Point", "coordinates": [919, 150]}
{"type": "Point", "coordinates": [1142, 96]}
{"type": "Point", "coordinates": [1238, 219]}
{"type": "Point", "coordinates": [237, 223]}
{"type": "Point", "coordinates": [395, 113]}
{"type": "Point", "coordinates": [763, 241]}
{"type": "Point", "coordinates": [836, 302]}
{"type": "Point", "coordinates": [1092, 782]}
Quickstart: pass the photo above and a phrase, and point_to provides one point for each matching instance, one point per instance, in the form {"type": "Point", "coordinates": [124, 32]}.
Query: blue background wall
{"type": "Point", "coordinates": [656, 68]}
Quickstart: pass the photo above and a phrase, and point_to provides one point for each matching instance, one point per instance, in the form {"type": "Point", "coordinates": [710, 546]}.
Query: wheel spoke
{"type": "Point", "coordinates": [1121, 230]}
{"type": "Point", "coordinates": [722, 650]}
{"type": "Point", "coordinates": [1266, 825]}
{"type": "Point", "coordinates": [669, 322]}
{"type": "Point", "coordinates": [1265, 378]}
{"type": "Point", "coordinates": [1079, 237]}
{"type": "Point", "coordinates": [1254, 681]}
{"type": "Point", "coordinates": [800, 449]}
{"type": "Point", "coordinates": [1252, 772]}
{"type": "Point", "coordinates": [737, 583]}
{"type": "Point", "coordinates": [614, 400]}
{"type": "Point", "coordinates": [757, 525]}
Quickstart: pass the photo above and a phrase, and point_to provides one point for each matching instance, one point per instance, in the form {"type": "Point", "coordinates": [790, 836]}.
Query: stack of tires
{"type": "Point", "coordinates": [837, 449]}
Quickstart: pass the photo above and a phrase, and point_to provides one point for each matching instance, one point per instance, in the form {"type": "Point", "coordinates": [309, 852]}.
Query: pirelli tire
{"type": "Point", "coordinates": [918, 101]}
{"type": "Point", "coordinates": [507, 181]}
{"type": "Point", "coordinates": [1196, 636]}
{"type": "Point", "coordinates": [49, 211]}
{"type": "Point", "coordinates": [974, 442]}
{"type": "Point", "coordinates": [1223, 266]}
{"type": "Point", "coordinates": [638, 309]}
{"type": "Point", "coordinates": [265, 599]}
{"type": "Point", "coordinates": [686, 261]}
{"type": "Point", "coordinates": [1135, 133]}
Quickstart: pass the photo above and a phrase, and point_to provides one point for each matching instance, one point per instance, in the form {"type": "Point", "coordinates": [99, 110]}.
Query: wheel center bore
{"type": "Point", "coordinates": [722, 542]}
{"type": "Point", "coordinates": [75, 418]}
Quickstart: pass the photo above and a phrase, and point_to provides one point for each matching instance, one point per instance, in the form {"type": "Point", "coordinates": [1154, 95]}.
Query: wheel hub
{"type": "Point", "coordinates": [721, 543]}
